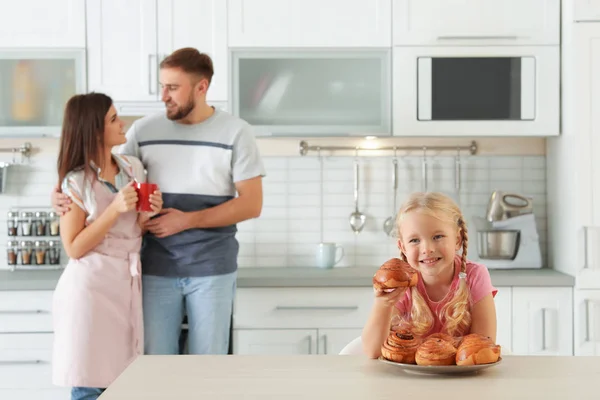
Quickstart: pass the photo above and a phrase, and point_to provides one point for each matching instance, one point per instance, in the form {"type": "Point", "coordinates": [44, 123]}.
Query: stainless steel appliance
{"type": "Point", "coordinates": [508, 236]}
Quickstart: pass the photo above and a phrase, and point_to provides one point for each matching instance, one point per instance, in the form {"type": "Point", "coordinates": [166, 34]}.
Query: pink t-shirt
{"type": "Point", "coordinates": [478, 282]}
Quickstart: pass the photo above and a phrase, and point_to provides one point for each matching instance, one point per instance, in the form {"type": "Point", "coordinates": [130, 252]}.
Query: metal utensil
{"type": "Point", "coordinates": [424, 170]}
{"type": "Point", "coordinates": [498, 244]}
{"type": "Point", "coordinates": [388, 224]}
{"type": "Point", "coordinates": [321, 192]}
{"type": "Point", "coordinates": [357, 219]}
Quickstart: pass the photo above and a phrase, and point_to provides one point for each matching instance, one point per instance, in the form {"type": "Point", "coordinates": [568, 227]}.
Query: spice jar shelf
{"type": "Point", "coordinates": [33, 239]}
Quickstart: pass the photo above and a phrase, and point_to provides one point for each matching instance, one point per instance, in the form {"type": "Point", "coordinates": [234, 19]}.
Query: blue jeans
{"type": "Point", "coordinates": [85, 393]}
{"type": "Point", "coordinates": [208, 302]}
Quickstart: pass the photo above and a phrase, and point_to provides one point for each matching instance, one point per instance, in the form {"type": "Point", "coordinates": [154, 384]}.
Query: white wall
{"type": "Point", "coordinates": [290, 224]}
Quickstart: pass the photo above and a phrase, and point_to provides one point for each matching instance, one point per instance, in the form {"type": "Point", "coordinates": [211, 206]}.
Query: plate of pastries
{"type": "Point", "coordinates": [440, 353]}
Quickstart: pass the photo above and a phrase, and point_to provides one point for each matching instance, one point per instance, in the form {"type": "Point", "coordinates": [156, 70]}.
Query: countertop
{"type": "Point", "coordinates": [303, 277]}
{"type": "Point", "coordinates": [348, 377]}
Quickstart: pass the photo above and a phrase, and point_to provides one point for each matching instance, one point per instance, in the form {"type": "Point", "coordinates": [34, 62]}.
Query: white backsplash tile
{"type": "Point", "coordinates": [290, 226]}
{"type": "Point", "coordinates": [479, 176]}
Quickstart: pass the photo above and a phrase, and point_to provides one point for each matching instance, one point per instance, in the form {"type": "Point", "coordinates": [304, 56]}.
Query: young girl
{"type": "Point", "coordinates": [453, 295]}
{"type": "Point", "coordinates": [97, 302]}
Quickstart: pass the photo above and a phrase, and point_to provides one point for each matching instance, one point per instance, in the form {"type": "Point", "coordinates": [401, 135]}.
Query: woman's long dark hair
{"type": "Point", "coordinates": [82, 135]}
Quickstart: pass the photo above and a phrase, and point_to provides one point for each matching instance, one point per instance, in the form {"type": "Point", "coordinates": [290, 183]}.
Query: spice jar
{"type": "Point", "coordinates": [54, 252]}
{"type": "Point", "coordinates": [40, 223]}
{"type": "Point", "coordinates": [12, 221]}
{"type": "Point", "coordinates": [53, 221]}
{"type": "Point", "coordinates": [12, 252]}
{"type": "Point", "coordinates": [26, 223]}
{"type": "Point", "coordinates": [40, 252]}
{"type": "Point", "coordinates": [26, 252]}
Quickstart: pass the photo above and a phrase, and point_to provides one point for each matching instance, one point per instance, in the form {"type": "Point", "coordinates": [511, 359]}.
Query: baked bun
{"type": "Point", "coordinates": [455, 341]}
{"type": "Point", "coordinates": [435, 351]}
{"type": "Point", "coordinates": [395, 273]}
{"type": "Point", "coordinates": [400, 346]}
{"type": "Point", "coordinates": [477, 349]}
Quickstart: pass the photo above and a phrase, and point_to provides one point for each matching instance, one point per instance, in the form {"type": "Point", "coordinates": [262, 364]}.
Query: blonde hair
{"type": "Point", "coordinates": [455, 315]}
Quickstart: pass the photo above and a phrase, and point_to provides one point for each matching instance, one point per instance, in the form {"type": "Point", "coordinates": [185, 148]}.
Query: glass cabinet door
{"type": "Point", "coordinates": [313, 93]}
{"type": "Point", "coordinates": [34, 88]}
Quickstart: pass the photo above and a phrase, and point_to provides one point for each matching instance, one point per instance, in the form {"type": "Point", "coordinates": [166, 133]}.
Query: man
{"type": "Point", "coordinates": [199, 157]}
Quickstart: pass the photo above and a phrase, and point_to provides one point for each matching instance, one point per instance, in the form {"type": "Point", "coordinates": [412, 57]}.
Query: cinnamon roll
{"type": "Point", "coordinates": [477, 349]}
{"type": "Point", "coordinates": [435, 351]}
{"type": "Point", "coordinates": [395, 273]}
{"type": "Point", "coordinates": [400, 346]}
{"type": "Point", "coordinates": [455, 341]}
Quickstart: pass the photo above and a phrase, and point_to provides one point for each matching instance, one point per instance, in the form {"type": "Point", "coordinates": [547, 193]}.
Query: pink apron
{"type": "Point", "coordinates": [97, 306]}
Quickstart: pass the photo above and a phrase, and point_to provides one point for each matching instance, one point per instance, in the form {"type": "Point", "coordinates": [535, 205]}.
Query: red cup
{"type": "Point", "coordinates": [144, 190]}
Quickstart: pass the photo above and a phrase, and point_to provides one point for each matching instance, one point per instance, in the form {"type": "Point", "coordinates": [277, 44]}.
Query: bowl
{"type": "Point", "coordinates": [498, 244]}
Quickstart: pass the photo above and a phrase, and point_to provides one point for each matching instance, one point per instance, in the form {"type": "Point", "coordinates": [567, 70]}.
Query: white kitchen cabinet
{"type": "Point", "coordinates": [201, 24]}
{"type": "Point", "coordinates": [309, 23]}
{"type": "Point", "coordinates": [332, 341]}
{"type": "Point", "coordinates": [476, 22]}
{"type": "Point", "coordinates": [298, 320]}
{"type": "Point", "coordinates": [503, 301]}
{"type": "Point", "coordinates": [542, 321]}
{"type": "Point", "coordinates": [127, 40]}
{"type": "Point", "coordinates": [274, 341]}
{"type": "Point", "coordinates": [122, 49]}
{"type": "Point", "coordinates": [26, 311]}
{"type": "Point", "coordinates": [299, 308]}
{"type": "Point", "coordinates": [575, 209]}
{"type": "Point", "coordinates": [587, 323]}
{"type": "Point", "coordinates": [586, 10]}
{"type": "Point", "coordinates": [26, 347]}
{"type": "Point", "coordinates": [292, 341]}
{"type": "Point", "coordinates": [42, 23]}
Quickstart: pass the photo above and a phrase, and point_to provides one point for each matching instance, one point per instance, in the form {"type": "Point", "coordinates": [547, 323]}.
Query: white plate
{"type": "Point", "coordinates": [440, 369]}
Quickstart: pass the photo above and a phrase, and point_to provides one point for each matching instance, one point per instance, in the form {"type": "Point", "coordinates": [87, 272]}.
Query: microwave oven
{"type": "Point", "coordinates": [476, 91]}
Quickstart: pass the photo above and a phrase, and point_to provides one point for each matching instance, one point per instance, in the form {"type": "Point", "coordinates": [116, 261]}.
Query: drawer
{"type": "Point", "coordinates": [26, 311]}
{"type": "Point", "coordinates": [302, 307]}
{"type": "Point", "coordinates": [26, 361]}
{"type": "Point", "coordinates": [36, 394]}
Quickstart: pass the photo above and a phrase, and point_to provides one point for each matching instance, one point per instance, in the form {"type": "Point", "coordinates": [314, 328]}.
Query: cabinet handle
{"type": "Point", "coordinates": [424, 170]}
{"type": "Point", "coordinates": [324, 344]}
{"type": "Point", "coordinates": [544, 329]}
{"type": "Point", "coordinates": [585, 249]}
{"type": "Point", "coordinates": [21, 362]}
{"type": "Point", "coordinates": [151, 76]}
{"type": "Point", "coordinates": [481, 37]}
{"type": "Point", "coordinates": [16, 312]}
{"type": "Point", "coordinates": [309, 337]}
{"type": "Point", "coordinates": [589, 336]}
{"type": "Point", "coordinates": [314, 308]}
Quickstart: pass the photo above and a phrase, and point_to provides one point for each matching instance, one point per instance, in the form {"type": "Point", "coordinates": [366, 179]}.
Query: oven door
{"type": "Point", "coordinates": [476, 91]}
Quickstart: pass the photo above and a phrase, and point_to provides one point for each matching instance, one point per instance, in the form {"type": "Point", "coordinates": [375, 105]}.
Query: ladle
{"type": "Point", "coordinates": [388, 224]}
{"type": "Point", "coordinates": [357, 219]}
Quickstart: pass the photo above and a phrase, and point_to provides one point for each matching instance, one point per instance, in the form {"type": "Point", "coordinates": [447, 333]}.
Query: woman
{"type": "Point", "coordinates": [98, 329]}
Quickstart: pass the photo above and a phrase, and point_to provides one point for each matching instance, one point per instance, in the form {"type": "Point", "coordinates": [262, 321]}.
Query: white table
{"type": "Point", "coordinates": [349, 377]}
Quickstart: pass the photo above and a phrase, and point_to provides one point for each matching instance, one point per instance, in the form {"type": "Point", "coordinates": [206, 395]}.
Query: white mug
{"type": "Point", "coordinates": [326, 255]}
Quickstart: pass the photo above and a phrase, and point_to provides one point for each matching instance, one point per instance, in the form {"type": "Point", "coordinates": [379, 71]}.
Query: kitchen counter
{"type": "Point", "coordinates": [302, 277]}
{"type": "Point", "coordinates": [348, 377]}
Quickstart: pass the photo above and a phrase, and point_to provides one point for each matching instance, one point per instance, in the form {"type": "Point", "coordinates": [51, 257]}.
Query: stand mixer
{"type": "Point", "coordinates": [508, 237]}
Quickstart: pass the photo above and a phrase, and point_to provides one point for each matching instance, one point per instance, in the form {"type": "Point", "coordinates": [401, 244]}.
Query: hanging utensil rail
{"type": "Point", "coordinates": [305, 148]}
{"type": "Point", "coordinates": [25, 149]}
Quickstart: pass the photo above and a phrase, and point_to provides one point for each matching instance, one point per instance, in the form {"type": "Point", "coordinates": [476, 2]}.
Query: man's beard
{"type": "Point", "coordinates": [182, 111]}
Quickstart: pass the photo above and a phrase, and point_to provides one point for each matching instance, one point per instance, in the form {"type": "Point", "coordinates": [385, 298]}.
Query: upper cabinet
{"type": "Point", "coordinates": [201, 24]}
{"type": "Point", "coordinates": [127, 41]}
{"type": "Point", "coordinates": [35, 84]}
{"type": "Point", "coordinates": [586, 10]}
{"type": "Point", "coordinates": [310, 23]}
{"type": "Point", "coordinates": [476, 22]}
{"type": "Point", "coordinates": [313, 92]}
{"type": "Point", "coordinates": [39, 23]}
